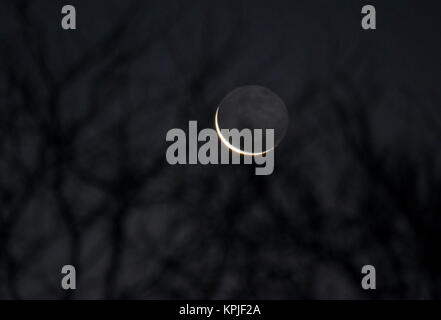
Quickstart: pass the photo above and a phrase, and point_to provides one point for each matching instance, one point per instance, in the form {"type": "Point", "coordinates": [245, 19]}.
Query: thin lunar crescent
{"type": "Point", "coordinates": [230, 146]}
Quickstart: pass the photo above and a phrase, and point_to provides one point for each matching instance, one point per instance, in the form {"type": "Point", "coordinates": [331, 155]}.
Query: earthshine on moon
{"type": "Point", "coordinates": [251, 107]}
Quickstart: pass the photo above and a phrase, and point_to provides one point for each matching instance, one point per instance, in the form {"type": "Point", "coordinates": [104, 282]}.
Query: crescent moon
{"type": "Point", "coordinates": [230, 146]}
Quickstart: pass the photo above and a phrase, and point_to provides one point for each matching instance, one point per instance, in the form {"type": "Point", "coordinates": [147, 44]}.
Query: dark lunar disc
{"type": "Point", "coordinates": [253, 107]}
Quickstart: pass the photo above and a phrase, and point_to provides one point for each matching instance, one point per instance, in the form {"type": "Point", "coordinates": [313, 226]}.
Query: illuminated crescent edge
{"type": "Point", "coordinates": [230, 146]}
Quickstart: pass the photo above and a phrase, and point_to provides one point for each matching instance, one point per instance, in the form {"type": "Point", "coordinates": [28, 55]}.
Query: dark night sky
{"type": "Point", "coordinates": [84, 179]}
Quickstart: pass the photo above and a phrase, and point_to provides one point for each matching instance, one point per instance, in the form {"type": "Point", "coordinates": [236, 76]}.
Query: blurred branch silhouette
{"type": "Point", "coordinates": [83, 177]}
